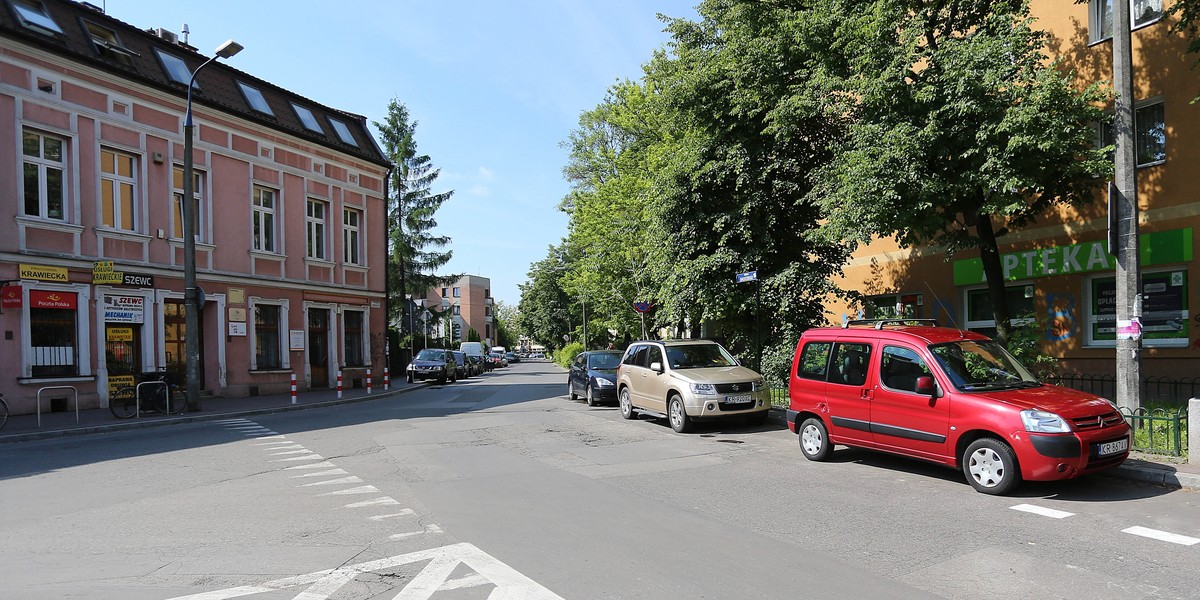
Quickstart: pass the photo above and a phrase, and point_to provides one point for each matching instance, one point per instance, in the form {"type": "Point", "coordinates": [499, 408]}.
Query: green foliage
{"type": "Point", "coordinates": [1187, 13]}
{"type": "Point", "coordinates": [472, 335]}
{"type": "Point", "coordinates": [563, 356]}
{"type": "Point", "coordinates": [1028, 345]}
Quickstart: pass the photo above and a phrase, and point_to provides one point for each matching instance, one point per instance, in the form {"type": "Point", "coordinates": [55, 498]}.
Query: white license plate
{"type": "Point", "coordinates": [1116, 447]}
{"type": "Point", "coordinates": [738, 399]}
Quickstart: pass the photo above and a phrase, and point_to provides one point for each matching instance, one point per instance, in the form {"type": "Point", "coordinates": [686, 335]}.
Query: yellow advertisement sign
{"type": "Point", "coordinates": [120, 334]}
{"type": "Point", "coordinates": [103, 273]}
{"type": "Point", "coordinates": [43, 273]}
{"type": "Point", "coordinates": [116, 382]}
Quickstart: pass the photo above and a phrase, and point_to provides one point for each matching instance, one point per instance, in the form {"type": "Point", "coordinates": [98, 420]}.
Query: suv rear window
{"type": "Point", "coordinates": [636, 355]}
{"type": "Point", "coordinates": [814, 360]}
{"type": "Point", "coordinates": [850, 364]}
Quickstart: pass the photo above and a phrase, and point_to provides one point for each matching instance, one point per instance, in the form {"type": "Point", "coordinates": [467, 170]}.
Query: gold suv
{"type": "Point", "coordinates": [688, 380]}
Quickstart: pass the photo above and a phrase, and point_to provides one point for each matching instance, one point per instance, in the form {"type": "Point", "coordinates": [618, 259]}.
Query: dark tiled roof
{"type": "Point", "coordinates": [218, 82]}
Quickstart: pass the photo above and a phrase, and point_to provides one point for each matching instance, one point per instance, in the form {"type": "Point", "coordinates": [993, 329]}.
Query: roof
{"type": "Point", "coordinates": [137, 55]}
{"type": "Point", "coordinates": [925, 333]}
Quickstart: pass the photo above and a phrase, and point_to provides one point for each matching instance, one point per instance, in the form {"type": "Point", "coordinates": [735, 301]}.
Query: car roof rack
{"type": "Point", "coordinates": [879, 323]}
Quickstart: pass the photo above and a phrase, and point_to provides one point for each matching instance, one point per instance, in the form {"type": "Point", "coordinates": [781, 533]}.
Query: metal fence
{"type": "Point", "coordinates": [1157, 391]}
{"type": "Point", "coordinates": [1159, 430]}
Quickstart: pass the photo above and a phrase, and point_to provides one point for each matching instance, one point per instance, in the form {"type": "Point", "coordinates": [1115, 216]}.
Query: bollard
{"type": "Point", "coordinates": [368, 381]}
{"type": "Point", "coordinates": [293, 388]}
{"type": "Point", "coordinates": [339, 384]}
{"type": "Point", "coordinates": [387, 380]}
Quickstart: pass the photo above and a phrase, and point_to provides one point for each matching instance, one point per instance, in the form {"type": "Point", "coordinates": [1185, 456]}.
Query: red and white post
{"type": "Point", "coordinates": [387, 379]}
{"type": "Point", "coordinates": [368, 381]}
{"type": "Point", "coordinates": [293, 388]}
{"type": "Point", "coordinates": [339, 384]}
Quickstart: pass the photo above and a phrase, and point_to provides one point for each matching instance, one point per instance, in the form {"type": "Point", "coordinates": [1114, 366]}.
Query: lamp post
{"type": "Point", "coordinates": [191, 301]}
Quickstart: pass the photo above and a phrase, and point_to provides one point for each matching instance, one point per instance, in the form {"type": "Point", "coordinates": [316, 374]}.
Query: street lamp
{"type": "Point", "coordinates": [190, 297]}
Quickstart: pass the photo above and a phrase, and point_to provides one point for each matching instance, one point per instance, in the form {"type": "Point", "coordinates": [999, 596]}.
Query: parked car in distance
{"type": "Point", "coordinates": [952, 397]}
{"type": "Point", "coordinates": [473, 349]}
{"type": "Point", "coordinates": [689, 380]}
{"type": "Point", "coordinates": [594, 375]}
{"type": "Point", "coordinates": [498, 359]}
{"type": "Point", "coordinates": [432, 363]}
{"type": "Point", "coordinates": [475, 364]}
{"type": "Point", "coordinates": [462, 369]}
{"type": "Point", "coordinates": [512, 357]}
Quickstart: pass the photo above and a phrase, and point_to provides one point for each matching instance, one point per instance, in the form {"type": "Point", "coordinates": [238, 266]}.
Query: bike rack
{"type": "Point", "coordinates": [137, 395]}
{"type": "Point", "coordinates": [57, 387]}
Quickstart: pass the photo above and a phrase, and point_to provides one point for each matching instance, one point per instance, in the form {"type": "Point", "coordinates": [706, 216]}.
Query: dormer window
{"type": "Point", "coordinates": [343, 132]}
{"type": "Point", "coordinates": [307, 118]}
{"type": "Point", "coordinates": [176, 69]}
{"type": "Point", "coordinates": [33, 15]}
{"type": "Point", "coordinates": [255, 99]}
{"type": "Point", "coordinates": [107, 44]}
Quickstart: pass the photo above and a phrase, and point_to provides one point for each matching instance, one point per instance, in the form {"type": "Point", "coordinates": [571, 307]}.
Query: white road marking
{"type": "Point", "coordinates": [321, 473]}
{"type": "Point", "coordinates": [432, 528]}
{"type": "Point", "coordinates": [305, 451]}
{"type": "Point", "coordinates": [350, 479]}
{"type": "Point", "coordinates": [383, 501]}
{"type": "Point", "coordinates": [288, 447]}
{"type": "Point", "coordinates": [1045, 512]}
{"type": "Point", "coordinates": [306, 457]}
{"type": "Point", "coordinates": [246, 426]}
{"type": "Point", "coordinates": [276, 444]}
{"type": "Point", "coordinates": [473, 580]}
{"type": "Point", "coordinates": [267, 437]}
{"type": "Point", "coordinates": [320, 465]}
{"type": "Point", "coordinates": [1162, 536]}
{"type": "Point", "coordinates": [510, 584]}
{"type": "Point", "coordinates": [403, 513]}
{"type": "Point", "coordinates": [238, 420]}
{"type": "Point", "coordinates": [256, 433]}
{"type": "Point", "coordinates": [365, 489]}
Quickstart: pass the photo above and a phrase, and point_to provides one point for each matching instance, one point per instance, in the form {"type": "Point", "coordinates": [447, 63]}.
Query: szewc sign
{"type": "Point", "coordinates": [104, 273]}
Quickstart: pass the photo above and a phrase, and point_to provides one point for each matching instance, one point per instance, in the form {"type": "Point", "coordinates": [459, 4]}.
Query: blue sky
{"type": "Point", "coordinates": [495, 85]}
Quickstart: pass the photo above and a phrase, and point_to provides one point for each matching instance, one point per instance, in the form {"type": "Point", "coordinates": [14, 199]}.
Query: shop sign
{"type": "Point", "coordinates": [104, 274]}
{"type": "Point", "coordinates": [1164, 247]}
{"type": "Point", "coordinates": [137, 280]}
{"type": "Point", "coordinates": [237, 330]}
{"type": "Point", "coordinates": [119, 334]}
{"type": "Point", "coordinates": [116, 382]}
{"type": "Point", "coordinates": [124, 309]}
{"type": "Point", "coordinates": [50, 299]}
{"type": "Point", "coordinates": [11, 295]}
{"type": "Point", "coordinates": [43, 273]}
{"type": "Point", "coordinates": [296, 339]}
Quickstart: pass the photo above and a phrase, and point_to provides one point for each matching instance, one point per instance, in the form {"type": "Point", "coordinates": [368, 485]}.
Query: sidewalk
{"type": "Point", "coordinates": [1145, 468]}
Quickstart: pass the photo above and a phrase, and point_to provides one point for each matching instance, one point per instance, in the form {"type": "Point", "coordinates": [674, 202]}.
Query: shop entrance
{"type": "Point", "coordinates": [318, 346]}
{"type": "Point", "coordinates": [175, 339]}
{"type": "Point", "coordinates": [122, 354]}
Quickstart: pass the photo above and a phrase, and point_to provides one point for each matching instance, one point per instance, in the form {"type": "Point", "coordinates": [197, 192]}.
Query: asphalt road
{"type": "Point", "coordinates": [499, 487]}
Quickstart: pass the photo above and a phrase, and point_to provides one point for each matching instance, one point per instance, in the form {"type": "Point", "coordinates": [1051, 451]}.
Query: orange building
{"type": "Point", "coordinates": [1058, 269]}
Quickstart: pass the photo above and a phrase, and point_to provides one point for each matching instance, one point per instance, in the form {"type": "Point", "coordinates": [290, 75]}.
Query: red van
{"type": "Point", "coordinates": [949, 396]}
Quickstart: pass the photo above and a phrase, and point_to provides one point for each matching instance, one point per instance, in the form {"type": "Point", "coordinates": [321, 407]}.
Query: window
{"type": "Point", "coordinates": [263, 219]}
{"type": "Point", "coordinates": [198, 205]}
{"type": "Point", "coordinates": [255, 99]}
{"type": "Point", "coordinates": [307, 118]}
{"type": "Point", "coordinates": [980, 317]}
{"type": "Point", "coordinates": [850, 364]}
{"type": "Point", "coordinates": [267, 332]}
{"type": "Point", "coordinates": [457, 293]}
{"type": "Point", "coordinates": [33, 15]}
{"type": "Point", "coordinates": [107, 44]}
{"type": "Point", "coordinates": [893, 306]}
{"type": "Point", "coordinates": [1100, 16]}
{"type": "Point", "coordinates": [457, 310]}
{"type": "Point", "coordinates": [44, 165]}
{"type": "Point", "coordinates": [343, 132]}
{"type": "Point", "coordinates": [1151, 134]}
{"type": "Point", "coordinates": [444, 292]}
{"type": "Point", "coordinates": [176, 69]}
{"type": "Point", "coordinates": [1165, 316]}
{"type": "Point", "coordinates": [353, 324]}
{"type": "Point", "coordinates": [350, 236]}
{"type": "Point", "coordinates": [118, 185]}
{"type": "Point", "coordinates": [53, 335]}
{"type": "Point", "coordinates": [814, 360]}
{"type": "Point", "coordinates": [900, 369]}
{"type": "Point", "coordinates": [315, 221]}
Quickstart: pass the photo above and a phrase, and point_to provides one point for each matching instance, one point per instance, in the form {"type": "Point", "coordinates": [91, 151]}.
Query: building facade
{"type": "Point", "coordinates": [1058, 270]}
{"type": "Point", "coordinates": [464, 305]}
{"type": "Point", "coordinates": [290, 199]}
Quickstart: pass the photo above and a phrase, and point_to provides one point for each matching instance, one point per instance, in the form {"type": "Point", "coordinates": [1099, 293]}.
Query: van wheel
{"type": "Point", "coordinates": [814, 440]}
{"type": "Point", "coordinates": [680, 421]}
{"type": "Point", "coordinates": [990, 466]}
{"type": "Point", "coordinates": [571, 392]}
{"type": "Point", "coordinates": [626, 404]}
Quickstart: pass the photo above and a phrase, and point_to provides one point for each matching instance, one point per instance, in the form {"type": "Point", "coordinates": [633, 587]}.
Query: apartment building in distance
{"type": "Point", "coordinates": [1058, 270]}
{"type": "Point", "coordinates": [290, 198]}
{"type": "Point", "coordinates": [465, 304]}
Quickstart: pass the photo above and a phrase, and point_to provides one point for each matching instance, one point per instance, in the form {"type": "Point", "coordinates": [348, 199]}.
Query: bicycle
{"type": "Point", "coordinates": [165, 397]}
{"type": "Point", "coordinates": [3, 411]}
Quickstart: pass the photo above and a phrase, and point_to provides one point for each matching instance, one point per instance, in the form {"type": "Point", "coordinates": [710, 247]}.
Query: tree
{"type": "Point", "coordinates": [961, 129]}
{"type": "Point", "coordinates": [543, 312]}
{"type": "Point", "coordinates": [414, 250]}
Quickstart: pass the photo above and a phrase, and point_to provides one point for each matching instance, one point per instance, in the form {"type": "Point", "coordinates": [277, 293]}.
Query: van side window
{"type": "Point", "coordinates": [850, 364]}
{"type": "Point", "coordinates": [900, 368]}
{"type": "Point", "coordinates": [814, 360]}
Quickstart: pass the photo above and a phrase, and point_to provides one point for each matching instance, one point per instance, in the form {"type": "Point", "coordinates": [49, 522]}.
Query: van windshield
{"type": "Point", "coordinates": [977, 365]}
{"type": "Point", "coordinates": [699, 356]}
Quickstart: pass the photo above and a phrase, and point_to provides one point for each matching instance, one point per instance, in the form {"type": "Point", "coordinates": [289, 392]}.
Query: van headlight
{"type": "Point", "coordinates": [704, 389]}
{"type": "Point", "coordinates": [1040, 421]}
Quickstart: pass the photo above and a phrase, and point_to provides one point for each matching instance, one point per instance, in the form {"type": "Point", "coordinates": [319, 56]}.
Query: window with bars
{"type": "Point", "coordinates": [267, 345]}
{"type": "Point", "coordinates": [353, 324]}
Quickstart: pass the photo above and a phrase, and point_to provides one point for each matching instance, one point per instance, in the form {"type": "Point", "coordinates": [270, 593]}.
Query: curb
{"type": "Point", "coordinates": [1134, 469]}
{"type": "Point", "coordinates": [181, 420]}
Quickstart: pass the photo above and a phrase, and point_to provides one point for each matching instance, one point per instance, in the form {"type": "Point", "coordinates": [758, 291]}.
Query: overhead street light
{"type": "Point", "coordinates": [190, 295]}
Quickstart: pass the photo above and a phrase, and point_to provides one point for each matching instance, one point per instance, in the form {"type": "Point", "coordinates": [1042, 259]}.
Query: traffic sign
{"type": "Point", "coordinates": [747, 276]}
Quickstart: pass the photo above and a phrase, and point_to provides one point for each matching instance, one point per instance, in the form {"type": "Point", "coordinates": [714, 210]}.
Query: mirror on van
{"type": "Point", "coordinates": [925, 386]}
{"type": "Point", "coordinates": [656, 367]}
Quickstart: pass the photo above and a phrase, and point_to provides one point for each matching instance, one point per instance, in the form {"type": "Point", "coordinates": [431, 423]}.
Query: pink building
{"type": "Point", "coordinates": [291, 227]}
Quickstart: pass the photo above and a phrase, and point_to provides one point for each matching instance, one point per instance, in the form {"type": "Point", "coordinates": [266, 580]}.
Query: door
{"type": "Point", "coordinates": [578, 374]}
{"type": "Point", "coordinates": [902, 419]}
{"type": "Point", "coordinates": [175, 339]}
{"type": "Point", "coordinates": [654, 388]}
{"type": "Point", "coordinates": [318, 347]}
{"type": "Point", "coordinates": [848, 391]}
{"type": "Point", "coordinates": [122, 354]}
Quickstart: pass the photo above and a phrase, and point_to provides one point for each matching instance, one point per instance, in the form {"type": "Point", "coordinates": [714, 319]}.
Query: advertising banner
{"type": "Point", "coordinates": [11, 295]}
{"type": "Point", "coordinates": [124, 309]}
{"type": "Point", "coordinates": [51, 299]}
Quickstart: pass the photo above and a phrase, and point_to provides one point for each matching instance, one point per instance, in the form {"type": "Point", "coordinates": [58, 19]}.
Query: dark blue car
{"type": "Point", "coordinates": [594, 376]}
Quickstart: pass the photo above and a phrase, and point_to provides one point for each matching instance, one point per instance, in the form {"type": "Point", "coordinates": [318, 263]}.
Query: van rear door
{"type": "Point", "coordinates": [849, 391]}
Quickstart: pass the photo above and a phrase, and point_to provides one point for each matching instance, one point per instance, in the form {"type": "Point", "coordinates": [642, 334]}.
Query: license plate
{"type": "Point", "coordinates": [738, 399]}
{"type": "Point", "coordinates": [1115, 447]}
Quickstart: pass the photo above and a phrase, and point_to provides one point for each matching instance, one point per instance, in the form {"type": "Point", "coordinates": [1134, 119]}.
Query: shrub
{"type": "Point", "coordinates": [563, 356]}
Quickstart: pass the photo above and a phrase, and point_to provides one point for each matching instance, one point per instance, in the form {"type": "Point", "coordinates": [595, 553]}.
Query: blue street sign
{"type": "Point", "coordinates": [748, 276]}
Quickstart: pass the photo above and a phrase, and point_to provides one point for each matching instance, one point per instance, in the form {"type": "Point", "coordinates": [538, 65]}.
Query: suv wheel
{"type": "Point", "coordinates": [680, 421]}
{"type": "Point", "coordinates": [990, 466]}
{"type": "Point", "coordinates": [814, 440]}
{"type": "Point", "coordinates": [626, 404]}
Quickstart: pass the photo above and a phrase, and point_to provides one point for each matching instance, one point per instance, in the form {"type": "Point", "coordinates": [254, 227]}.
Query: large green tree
{"type": "Point", "coordinates": [415, 251]}
{"type": "Point", "coordinates": [961, 129]}
{"type": "Point", "coordinates": [544, 310]}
